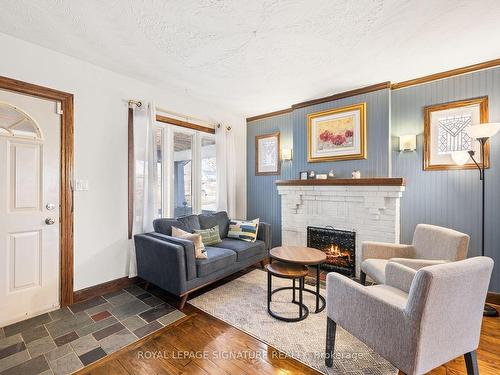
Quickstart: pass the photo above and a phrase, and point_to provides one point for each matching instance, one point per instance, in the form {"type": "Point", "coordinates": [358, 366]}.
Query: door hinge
{"type": "Point", "coordinates": [59, 109]}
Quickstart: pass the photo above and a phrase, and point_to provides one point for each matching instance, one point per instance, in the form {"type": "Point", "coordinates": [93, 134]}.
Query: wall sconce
{"type": "Point", "coordinates": [408, 142]}
{"type": "Point", "coordinates": [286, 154]}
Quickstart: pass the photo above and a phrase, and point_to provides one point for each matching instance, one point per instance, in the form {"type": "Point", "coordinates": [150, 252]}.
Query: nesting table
{"type": "Point", "coordinates": [291, 263]}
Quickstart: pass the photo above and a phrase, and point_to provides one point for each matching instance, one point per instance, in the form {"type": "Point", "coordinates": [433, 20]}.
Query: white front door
{"type": "Point", "coordinates": [29, 206]}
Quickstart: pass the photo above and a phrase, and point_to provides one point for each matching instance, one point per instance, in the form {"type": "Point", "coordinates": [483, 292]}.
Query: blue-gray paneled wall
{"type": "Point", "coordinates": [262, 197]}
{"type": "Point", "coordinates": [448, 198]}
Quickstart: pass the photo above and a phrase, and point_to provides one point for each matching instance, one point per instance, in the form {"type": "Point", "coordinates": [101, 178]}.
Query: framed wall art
{"type": "Point", "coordinates": [337, 134]}
{"type": "Point", "coordinates": [445, 133]}
{"type": "Point", "coordinates": [267, 154]}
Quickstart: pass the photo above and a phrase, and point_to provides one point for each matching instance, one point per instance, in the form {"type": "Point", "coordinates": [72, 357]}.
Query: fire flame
{"type": "Point", "coordinates": [336, 252]}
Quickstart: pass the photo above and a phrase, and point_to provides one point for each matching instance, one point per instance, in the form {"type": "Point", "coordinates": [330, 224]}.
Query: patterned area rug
{"type": "Point", "coordinates": [65, 340]}
{"type": "Point", "coordinates": [242, 303]}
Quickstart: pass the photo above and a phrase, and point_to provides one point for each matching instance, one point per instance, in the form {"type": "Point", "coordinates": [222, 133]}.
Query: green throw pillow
{"type": "Point", "coordinates": [209, 236]}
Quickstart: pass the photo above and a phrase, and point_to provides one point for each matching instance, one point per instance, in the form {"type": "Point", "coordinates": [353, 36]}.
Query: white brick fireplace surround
{"type": "Point", "coordinates": [369, 206]}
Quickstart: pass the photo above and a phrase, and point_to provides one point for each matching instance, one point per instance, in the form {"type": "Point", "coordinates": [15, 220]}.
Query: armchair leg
{"type": "Point", "coordinates": [362, 277]}
{"type": "Point", "coordinates": [331, 328]}
{"type": "Point", "coordinates": [471, 363]}
{"type": "Point", "coordinates": [262, 264]}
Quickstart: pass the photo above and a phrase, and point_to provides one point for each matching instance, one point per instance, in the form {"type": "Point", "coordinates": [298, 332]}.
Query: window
{"type": "Point", "coordinates": [183, 173]}
{"type": "Point", "coordinates": [187, 171]}
{"type": "Point", "coordinates": [208, 175]}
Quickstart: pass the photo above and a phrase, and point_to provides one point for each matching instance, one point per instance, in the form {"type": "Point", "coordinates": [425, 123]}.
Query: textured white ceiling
{"type": "Point", "coordinates": [257, 56]}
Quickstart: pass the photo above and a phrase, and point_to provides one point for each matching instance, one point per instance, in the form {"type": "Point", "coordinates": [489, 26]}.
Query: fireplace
{"type": "Point", "coordinates": [339, 246]}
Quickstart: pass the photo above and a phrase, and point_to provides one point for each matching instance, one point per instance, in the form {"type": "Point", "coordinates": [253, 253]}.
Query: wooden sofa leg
{"type": "Point", "coordinates": [471, 363]}
{"type": "Point", "coordinates": [331, 328]}
{"type": "Point", "coordinates": [262, 264]}
{"type": "Point", "coordinates": [183, 301]}
{"type": "Point", "coordinates": [362, 277]}
{"type": "Point", "coordinates": [146, 286]}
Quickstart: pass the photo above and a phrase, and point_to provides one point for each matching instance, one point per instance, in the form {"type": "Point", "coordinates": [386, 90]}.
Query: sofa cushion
{"type": "Point", "coordinates": [245, 230]}
{"type": "Point", "coordinates": [164, 226]}
{"type": "Point", "coordinates": [210, 236]}
{"type": "Point", "coordinates": [221, 219]}
{"type": "Point", "coordinates": [243, 249]}
{"type": "Point", "coordinates": [190, 222]}
{"type": "Point", "coordinates": [199, 247]}
{"type": "Point", "coordinates": [218, 259]}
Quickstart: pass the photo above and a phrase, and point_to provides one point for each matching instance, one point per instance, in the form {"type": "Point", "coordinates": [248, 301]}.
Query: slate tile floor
{"type": "Point", "coordinates": [65, 340]}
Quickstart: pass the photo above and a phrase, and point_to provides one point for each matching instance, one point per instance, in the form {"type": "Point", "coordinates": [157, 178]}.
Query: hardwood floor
{"type": "Point", "coordinates": [202, 344]}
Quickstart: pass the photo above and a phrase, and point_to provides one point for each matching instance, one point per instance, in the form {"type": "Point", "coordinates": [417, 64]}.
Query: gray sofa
{"type": "Point", "coordinates": [170, 262]}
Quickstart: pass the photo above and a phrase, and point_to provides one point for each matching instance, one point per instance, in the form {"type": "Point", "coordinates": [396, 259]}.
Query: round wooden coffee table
{"type": "Point", "coordinates": [306, 256]}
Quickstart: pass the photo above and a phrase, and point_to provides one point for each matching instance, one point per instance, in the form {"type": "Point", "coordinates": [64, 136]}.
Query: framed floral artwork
{"type": "Point", "coordinates": [267, 154]}
{"type": "Point", "coordinates": [445, 134]}
{"type": "Point", "coordinates": [337, 134]}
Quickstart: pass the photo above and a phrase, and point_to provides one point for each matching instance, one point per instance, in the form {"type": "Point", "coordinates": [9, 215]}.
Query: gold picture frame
{"type": "Point", "coordinates": [337, 134]}
{"type": "Point", "coordinates": [433, 159]}
{"type": "Point", "coordinates": [267, 154]}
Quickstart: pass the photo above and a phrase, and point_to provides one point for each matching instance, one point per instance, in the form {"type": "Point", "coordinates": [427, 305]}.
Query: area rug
{"type": "Point", "coordinates": [66, 340]}
{"type": "Point", "coordinates": [242, 304]}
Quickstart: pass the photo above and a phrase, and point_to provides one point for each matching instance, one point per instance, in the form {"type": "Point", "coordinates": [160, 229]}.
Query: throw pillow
{"type": "Point", "coordinates": [199, 248]}
{"type": "Point", "coordinates": [244, 230]}
{"type": "Point", "coordinates": [209, 236]}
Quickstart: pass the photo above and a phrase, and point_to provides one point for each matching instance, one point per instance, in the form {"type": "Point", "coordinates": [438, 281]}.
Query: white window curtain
{"type": "Point", "coordinates": [146, 176]}
{"type": "Point", "coordinates": [225, 155]}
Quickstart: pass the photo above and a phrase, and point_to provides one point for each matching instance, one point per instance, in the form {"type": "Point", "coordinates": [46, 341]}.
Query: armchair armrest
{"type": "Point", "coordinates": [369, 314]}
{"type": "Point", "coordinates": [382, 250]}
{"type": "Point", "coordinates": [161, 262]}
{"type": "Point", "coordinates": [264, 234]}
{"type": "Point", "coordinates": [399, 276]}
{"type": "Point", "coordinates": [416, 264]}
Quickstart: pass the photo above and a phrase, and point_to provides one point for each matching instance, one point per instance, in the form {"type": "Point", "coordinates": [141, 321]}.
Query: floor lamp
{"type": "Point", "coordinates": [483, 132]}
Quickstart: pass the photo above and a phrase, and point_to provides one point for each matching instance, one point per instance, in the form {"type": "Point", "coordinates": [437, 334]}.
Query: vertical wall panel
{"type": "Point", "coordinates": [448, 198]}
{"type": "Point", "coordinates": [262, 196]}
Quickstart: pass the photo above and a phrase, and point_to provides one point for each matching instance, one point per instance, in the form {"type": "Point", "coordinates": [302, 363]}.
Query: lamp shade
{"type": "Point", "coordinates": [460, 157]}
{"type": "Point", "coordinates": [408, 142]}
{"type": "Point", "coordinates": [483, 130]}
{"type": "Point", "coordinates": [286, 154]}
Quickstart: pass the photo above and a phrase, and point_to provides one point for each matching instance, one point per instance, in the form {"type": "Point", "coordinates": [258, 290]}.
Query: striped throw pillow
{"type": "Point", "coordinates": [244, 230]}
{"type": "Point", "coordinates": [209, 236]}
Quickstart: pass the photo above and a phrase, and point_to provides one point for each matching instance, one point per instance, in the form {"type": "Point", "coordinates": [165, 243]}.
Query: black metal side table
{"type": "Point", "coordinates": [287, 271]}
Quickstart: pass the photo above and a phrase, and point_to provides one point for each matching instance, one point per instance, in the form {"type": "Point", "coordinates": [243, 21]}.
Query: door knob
{"type": "Point", "coordinates": [49, 221]}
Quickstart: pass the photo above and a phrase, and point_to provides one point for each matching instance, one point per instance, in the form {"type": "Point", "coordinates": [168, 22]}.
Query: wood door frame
{"type": "Point", "coordinates": [66, 294]}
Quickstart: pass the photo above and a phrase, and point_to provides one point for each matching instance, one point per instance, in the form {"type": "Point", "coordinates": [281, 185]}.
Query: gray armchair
{"type": "Point", "coordinates": [431, 245]}
{"type": "Point", "coordinates": [420, 319]}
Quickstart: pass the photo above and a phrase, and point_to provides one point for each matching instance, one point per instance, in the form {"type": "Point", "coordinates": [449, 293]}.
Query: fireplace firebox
{"type": "Point", "coordinates": [339, 247]}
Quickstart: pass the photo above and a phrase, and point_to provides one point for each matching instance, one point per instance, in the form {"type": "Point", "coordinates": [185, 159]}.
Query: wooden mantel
{"type": "Point", "coordinates": [370, 181]}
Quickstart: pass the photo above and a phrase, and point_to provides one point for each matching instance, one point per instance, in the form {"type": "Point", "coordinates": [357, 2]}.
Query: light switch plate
{"type": "Point", "coordinates": [81, 185]}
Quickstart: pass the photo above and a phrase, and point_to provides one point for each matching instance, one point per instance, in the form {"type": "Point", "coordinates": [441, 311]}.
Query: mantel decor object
{"type": "Point", "coordinates": [337, 134]}
{"type": "Point", "coordinates": [303, 175]}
